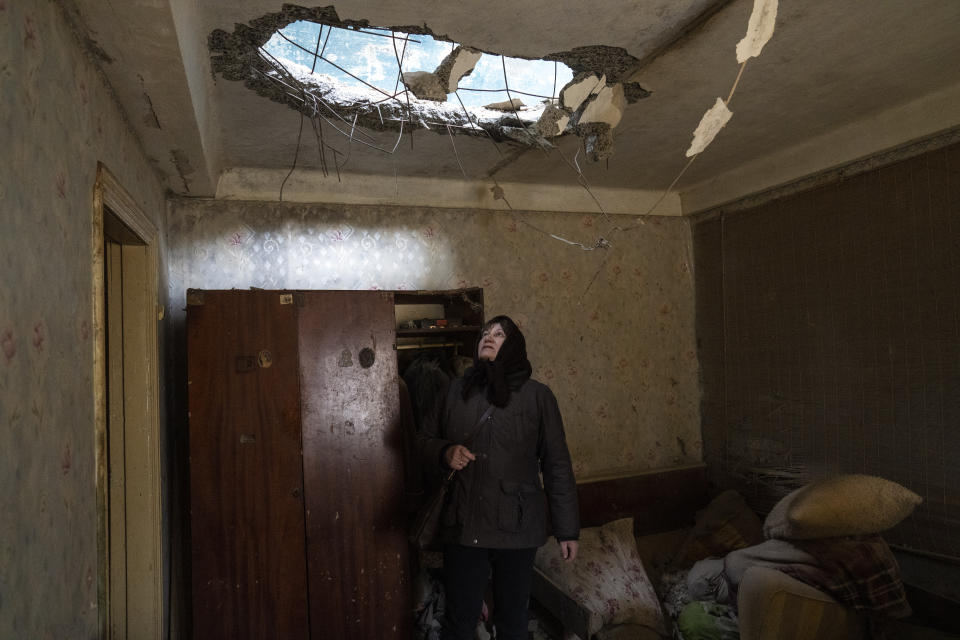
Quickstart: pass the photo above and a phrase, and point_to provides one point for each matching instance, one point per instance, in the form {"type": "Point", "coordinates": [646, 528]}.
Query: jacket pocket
{"type": "Point", "coordinates": [518, 505]}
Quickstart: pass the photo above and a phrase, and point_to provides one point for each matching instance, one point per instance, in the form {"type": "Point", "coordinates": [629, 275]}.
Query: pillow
{"type": "Point", "coordinates": [724, 525]}
{"type": "Point", "coordinates": [843, 505]}
{"type": "Point", "coordinates": [607, 578]}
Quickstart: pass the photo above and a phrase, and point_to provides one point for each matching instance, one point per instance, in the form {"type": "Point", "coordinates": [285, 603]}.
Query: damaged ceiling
{"type": "Point", "coordinates": [589, 103]}
{"type": "Point", "coordinates": [837, 81]}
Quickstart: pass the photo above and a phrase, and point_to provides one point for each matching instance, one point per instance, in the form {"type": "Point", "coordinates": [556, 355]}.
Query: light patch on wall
{"type": "Point", "coordinates": [317, 255]}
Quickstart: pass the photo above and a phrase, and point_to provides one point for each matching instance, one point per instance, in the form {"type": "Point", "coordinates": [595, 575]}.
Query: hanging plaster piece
{"type": "Point", "coordinates": [579, 89]}
{"type": "Point", "coordinates": [458, 63]}
{"type": "Point", "coordinates": [425, 85]}
{"type": "Point", "coordinates": [607, 107]}
{"type": "Point", "coordinates": [553, 122]}
{"type": "Point", "coordinates": [713, 120]}
{"type": "Point", "coordinates": [759, 29]}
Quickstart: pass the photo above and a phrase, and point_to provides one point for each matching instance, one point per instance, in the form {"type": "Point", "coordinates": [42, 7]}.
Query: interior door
{"type": "Point", "coordinates": [116, 433]}
{"type": "Point", "coordinates": [353, 466]}
{"type": "Point", "coordinates": [246, 491]}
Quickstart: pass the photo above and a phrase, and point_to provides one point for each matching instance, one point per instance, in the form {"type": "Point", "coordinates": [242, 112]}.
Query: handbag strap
{"type": "Point", "coordinates": [476, 430]}
{"type": "Point", "coordinates": [478, 427]}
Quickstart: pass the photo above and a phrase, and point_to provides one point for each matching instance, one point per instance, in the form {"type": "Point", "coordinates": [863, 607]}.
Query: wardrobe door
{"type": "Point", "coordinates": [246, 491]}
{"type": "Point", "coordinates": [353, 467]}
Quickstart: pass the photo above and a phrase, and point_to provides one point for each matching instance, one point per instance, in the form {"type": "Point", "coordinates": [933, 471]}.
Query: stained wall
{"type": "Point", "coordinates": [58, 120]}
{"type": "Point", "coordinates": [611, 331]}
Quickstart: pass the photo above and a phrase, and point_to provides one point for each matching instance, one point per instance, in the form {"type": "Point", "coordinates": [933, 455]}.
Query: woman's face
{"type": "Point", "coordinates": [490, 341]}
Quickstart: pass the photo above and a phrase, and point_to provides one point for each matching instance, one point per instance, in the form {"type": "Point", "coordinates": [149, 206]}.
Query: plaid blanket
{"type": "Point", "coordinates": [859, 571]}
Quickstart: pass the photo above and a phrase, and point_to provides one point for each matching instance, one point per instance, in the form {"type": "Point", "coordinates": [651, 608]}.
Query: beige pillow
{"type": "Point", "coordinates": [607, 578]}
{"type": "Point", "coordinates": [844, 505]}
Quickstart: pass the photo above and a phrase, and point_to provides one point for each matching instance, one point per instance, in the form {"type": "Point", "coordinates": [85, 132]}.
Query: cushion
{"type": "Point", "coordinates": [607, 578]}
{"type": "Point", "coordinates": [843, 505]}
{"type": "Point", "coordinates": [724, 525]}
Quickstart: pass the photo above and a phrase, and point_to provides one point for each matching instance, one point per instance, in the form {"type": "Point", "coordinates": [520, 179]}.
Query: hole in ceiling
{"type": "Point", "coordinates": [367, 63]}
{"type": "Point", "coordinates": [351, 76]}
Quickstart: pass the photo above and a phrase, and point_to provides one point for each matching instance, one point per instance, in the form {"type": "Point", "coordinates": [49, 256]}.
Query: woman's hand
{"type": "Point", "coordinates": [458, 456]}
{"type": "Point", "coordinates": [568, 549]}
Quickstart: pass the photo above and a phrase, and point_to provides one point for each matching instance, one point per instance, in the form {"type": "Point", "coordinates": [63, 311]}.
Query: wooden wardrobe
{"type": "Point", "coordinates": [298, 528]}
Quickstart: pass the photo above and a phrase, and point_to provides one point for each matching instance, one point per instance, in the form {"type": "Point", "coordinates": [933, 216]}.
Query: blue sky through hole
{"type": "Point", "coordinates": [373, 58]}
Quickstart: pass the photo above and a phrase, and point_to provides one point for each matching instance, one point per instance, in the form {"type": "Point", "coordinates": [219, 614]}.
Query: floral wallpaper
{"type": "Point", "coordinates": [58, 119]}
{"type": "Point", "coordinates": [610, 331]}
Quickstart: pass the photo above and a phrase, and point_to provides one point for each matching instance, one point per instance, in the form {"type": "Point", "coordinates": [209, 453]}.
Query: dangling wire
{"type": "Point", "coordinates": [296, 154]}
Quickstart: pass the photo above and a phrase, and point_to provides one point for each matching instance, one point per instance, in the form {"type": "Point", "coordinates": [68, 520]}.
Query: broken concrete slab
{"type": "Point", "coordinates": [458, 63]}
{"type": "Point", "coordinates": [613, 62]}
{"type": "Point", "coordinates": [527, 136]}
{"type": "Point", "coordinates": [606, 107]}
{"type": "Point", "coordinates": [579, 89]}
{"type": "Point", "coordinates": [553, 122]}
{"type": "Point", "coordinates": [597, 140]}
{"type": "Point", "coordinates": [425, 85]}
{"type": "Point", "coordinates": [514, 104]}
{"type": "Point", "coordinates": [633, 91]}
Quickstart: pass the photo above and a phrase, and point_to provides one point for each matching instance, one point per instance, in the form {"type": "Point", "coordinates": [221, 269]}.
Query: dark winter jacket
{"type": "Point", "coordinates": [498, 500]}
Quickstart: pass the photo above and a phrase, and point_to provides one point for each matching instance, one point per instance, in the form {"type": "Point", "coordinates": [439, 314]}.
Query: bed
{"type": "Point", "coordinates": [638, 531]}
{"type": "Point", "coordinates": [661, 504]}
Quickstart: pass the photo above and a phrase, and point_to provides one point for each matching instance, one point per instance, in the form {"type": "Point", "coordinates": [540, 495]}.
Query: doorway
{"type": "Point", "coordinates": [129, 501]}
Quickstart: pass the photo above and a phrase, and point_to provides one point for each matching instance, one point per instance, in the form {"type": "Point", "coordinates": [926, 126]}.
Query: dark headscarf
{"type": "Point", "coordinates": [504, 374]}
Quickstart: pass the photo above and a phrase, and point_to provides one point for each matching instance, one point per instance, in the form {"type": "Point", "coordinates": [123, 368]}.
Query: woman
{"type": "Point", "coordinates": [497, 513]}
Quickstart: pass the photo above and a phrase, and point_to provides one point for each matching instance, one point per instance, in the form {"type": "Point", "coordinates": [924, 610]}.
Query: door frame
{"type": "Point", "coordinates": [143, 605]}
